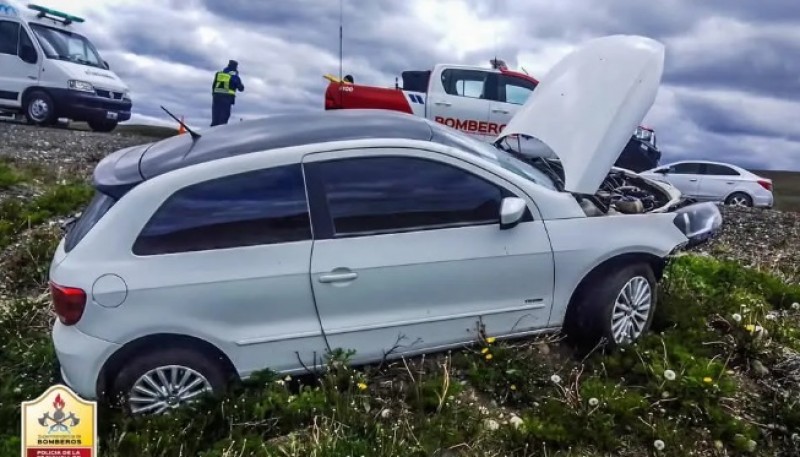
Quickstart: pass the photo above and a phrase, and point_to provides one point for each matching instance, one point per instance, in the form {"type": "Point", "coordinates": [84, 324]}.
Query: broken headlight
{"type": "Point", "coordinates": [699, 221]}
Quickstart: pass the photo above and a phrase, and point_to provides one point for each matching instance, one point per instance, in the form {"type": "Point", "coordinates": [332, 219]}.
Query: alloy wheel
{"type": "Point", "coordinates": [631, 310]}
{"type": "Point", "coordinates": [739, 200]}
{"type": "Point", "coordinates": [165, 388]}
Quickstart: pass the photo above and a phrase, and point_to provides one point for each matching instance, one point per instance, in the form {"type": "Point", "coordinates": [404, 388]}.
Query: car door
{"type": "Point", "coordinates": [226, 259]}
{"type": "Point", "coordinates": [717, 182]}
{"type": "Point", "coordinates": [18, 61]}
{"type": "Point", "coordinates": [510, 94]}
{"type": "Point", "coordinates": [685, 176]}
{"type": "Point", "coordinates": [461, 102]}
{"type": "Point", "coordinates": [409, 255]}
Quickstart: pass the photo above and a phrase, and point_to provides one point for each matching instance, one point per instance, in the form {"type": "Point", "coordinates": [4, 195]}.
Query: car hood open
{"type": "Point", "coordinates": [588, 105]}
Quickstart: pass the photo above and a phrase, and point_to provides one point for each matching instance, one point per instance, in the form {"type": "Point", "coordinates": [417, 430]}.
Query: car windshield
{"type": "Point", "coordinates": [494, 155]}
{"type": "Point", "coordinates": [66, 45]}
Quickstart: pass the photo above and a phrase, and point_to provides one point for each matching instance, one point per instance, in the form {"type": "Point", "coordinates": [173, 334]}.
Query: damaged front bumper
{"type": "Point", "coordinates": [699, 222]}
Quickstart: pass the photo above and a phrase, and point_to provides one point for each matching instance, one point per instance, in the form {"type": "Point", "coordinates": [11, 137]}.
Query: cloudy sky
{"type": "Point", "coordinates": [731, 88]}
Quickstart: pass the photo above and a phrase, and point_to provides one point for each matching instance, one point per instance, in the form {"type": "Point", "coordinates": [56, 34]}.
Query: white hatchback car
{"type": "Point", "coordinates": [268, 243]}
{"type": "Point", "coordinates": [717, 182]}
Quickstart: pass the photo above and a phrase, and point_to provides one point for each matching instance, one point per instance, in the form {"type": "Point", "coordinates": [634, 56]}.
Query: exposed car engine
{"type": "Point", "coordinates": [622, 191]}
{"type": "Point", "coordinates": [628, 193]}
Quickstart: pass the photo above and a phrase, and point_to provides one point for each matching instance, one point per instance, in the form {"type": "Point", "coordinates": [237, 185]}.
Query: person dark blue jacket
{"type": "Point", "coordinates": [224, 87]}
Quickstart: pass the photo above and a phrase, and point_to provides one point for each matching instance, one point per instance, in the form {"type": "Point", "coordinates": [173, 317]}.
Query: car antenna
{"type": "Point", "coordinates": [195, 135]}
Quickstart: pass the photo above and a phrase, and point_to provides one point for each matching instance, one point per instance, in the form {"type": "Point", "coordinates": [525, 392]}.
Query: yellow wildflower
{"type": "Point", "coordinates": [750, 328]}
{"type": "Point", "coordinates": [489, 356]}
{"type": "Point", "coordinates": [491, 340]}
{"type": "Point", "coordinates": [484, 350]}
{"type": "Point", "coordinates": [362, 386]}
{"type": "Point", "coordinates": [513, 387]}
{"type": "Point", "coordinates": [707, 380]}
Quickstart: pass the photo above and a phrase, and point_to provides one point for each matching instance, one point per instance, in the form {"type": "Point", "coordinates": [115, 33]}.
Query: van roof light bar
{"type": "Point", "coordinates": [59, 16]}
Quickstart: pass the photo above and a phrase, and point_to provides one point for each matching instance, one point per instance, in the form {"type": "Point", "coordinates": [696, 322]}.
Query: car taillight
{"type": "Point", "coordinates": [766, 184]}
{"type": "Point", "coordinates": [68, 303]}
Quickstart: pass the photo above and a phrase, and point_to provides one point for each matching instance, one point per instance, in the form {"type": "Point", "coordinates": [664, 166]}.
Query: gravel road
{"type": "Point", "coordinates": [764, 238]}
{"type": "Point", "coordinates": [59, 148]}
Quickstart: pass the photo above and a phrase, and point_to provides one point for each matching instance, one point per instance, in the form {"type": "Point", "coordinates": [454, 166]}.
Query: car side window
{"type": "Point", "coordinates": [687, 168]}
{"type": "Point", "coordinates": [9, 37]}
{"type": "Point", "coordinates": [719, 170]}
{"type": "Point", "coordinates": [514, 90]}
{"type": "Point", "coordinates": [376, 195]}
{"type": "Point", "coordinates": [464, 83]}
{"type": "Point", "coordinates": [254, 208]}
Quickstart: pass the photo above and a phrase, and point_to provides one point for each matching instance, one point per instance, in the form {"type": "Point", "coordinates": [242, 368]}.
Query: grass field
{"type": "Point", "coordinates": [786, 188]}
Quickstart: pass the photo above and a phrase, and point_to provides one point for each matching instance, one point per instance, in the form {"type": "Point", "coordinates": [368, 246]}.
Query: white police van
{"type": "Point", "coordinates": [49, 71]}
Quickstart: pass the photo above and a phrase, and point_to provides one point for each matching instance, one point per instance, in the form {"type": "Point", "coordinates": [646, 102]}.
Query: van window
{"type": "Point", "coordinates": [27, 51]}
{"type": "Point", "coordinates": [9, 37]}
{"type": "Point", "coordinates": [66, 45]}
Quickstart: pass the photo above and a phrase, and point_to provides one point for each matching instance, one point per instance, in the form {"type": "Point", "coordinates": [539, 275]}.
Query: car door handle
{"type": "Point", "coordinates": [442, 103]}
{"type": "Point", "coordinates": [693, 180]}
{"type": "Point", "coordinates": [338, 277]}
{"type": "Point", "coordinates": [501, 111]}
{"type": "Point", "coordinates": [730, 182]}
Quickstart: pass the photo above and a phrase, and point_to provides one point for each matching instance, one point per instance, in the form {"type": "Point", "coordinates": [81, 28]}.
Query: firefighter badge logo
{"type": "Point", "coordinates": [59, 424]}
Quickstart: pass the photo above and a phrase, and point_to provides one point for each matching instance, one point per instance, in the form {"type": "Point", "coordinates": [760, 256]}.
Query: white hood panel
{"type": "Point", "coordinates": [588, 105]}
{"type": "Point", "coordinates": [98, 77]}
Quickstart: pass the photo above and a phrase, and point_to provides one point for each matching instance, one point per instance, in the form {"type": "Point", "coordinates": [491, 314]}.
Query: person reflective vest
{"type": "Point", "coordinates": [222, 83]}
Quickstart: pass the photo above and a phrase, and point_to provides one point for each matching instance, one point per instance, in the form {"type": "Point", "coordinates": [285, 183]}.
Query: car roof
{"type": "Point", "coordinates": [123, 169]}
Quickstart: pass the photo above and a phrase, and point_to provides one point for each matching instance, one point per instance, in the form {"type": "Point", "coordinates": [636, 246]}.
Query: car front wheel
{"type": "Point", "coordinates": [159, 381]}
{"type": "Point", "coordinates": [615, 306]}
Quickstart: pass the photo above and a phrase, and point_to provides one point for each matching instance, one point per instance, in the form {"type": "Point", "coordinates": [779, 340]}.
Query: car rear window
{"type": "Point", "coordinates": [98, 206]}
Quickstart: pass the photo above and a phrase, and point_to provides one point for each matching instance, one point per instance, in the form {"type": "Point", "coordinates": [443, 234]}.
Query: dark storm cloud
{"type": "Point", "coordinates": [763, 65]}
{"type": "Point", "coordinates": [732, 117]}
{"type": "Point", "coordinates": [741, 52]}
{"type": "Point", "coordinates": [366, 30]}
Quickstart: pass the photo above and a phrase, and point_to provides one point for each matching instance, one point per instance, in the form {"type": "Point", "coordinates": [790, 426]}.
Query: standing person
{"type": "Point", "coordinates": [226, 83]}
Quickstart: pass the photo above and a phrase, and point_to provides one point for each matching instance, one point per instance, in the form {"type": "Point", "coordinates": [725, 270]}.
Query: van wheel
{"type": "Point", "coordinates": [40, 108]}
{"type": "Point", "coordinates": [102, 126]}
{"type": "Point", "coordinates": [157, 382]}
{"type": "Point", "coordinates": [616, 307]}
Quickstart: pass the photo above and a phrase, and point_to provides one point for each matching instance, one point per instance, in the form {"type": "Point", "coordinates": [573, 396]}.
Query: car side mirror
{"type": "Point", "coordinates": [108, 67]}
{"type": "Point", "coordinates": [28, 54]}
{"type": "Point", "coordinates": [511, 211]}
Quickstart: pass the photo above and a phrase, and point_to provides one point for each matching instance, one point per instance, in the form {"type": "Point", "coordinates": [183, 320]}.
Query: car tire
{"type": "Point", "coordinates": [189, 366]}
{"type": "Point", "coordinates": [40, 109]}
{"type": "Point", "coordinates": [739, 199]}
{"type": "Point", "coordinates": [599, 315]}
{"type": "Point", "coordinates": [102, 126]}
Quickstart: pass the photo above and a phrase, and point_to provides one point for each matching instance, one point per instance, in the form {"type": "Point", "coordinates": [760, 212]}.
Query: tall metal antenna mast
{"type": "Point", "coordinates": [494, 32]}
{"type": "Point", "coordinates": [341, 8]}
